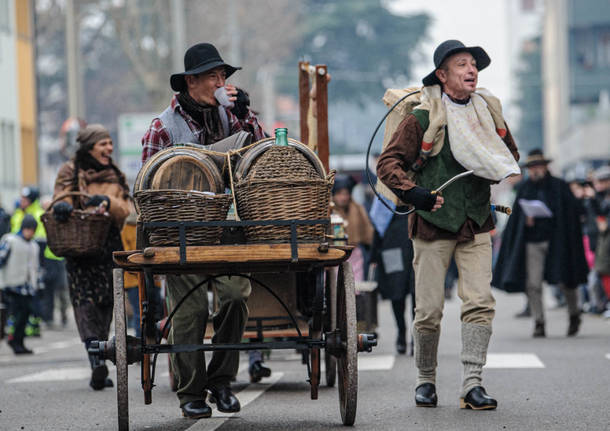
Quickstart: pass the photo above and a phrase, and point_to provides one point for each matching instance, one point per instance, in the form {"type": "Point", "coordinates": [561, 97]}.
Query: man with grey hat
{"type": "Point", "coordinates": [457, 127]}
{"type": "Point", "coordinates": [204, 110]}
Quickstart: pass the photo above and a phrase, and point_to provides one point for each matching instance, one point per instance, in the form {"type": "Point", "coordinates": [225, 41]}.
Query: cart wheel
{"type": "Point", "coordinates": [347, 362]}
{"type": "Point", "coordinates": [330, 373]}
{"type": "Point", "coordinates": [314, 379]}
{"type": "Point", "coordinates": [330, 362]}
{"type": "Point", "coordinates": [120, 329]}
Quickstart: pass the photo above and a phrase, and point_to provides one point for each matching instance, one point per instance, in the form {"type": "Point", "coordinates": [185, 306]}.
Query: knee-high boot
{"type": "Point", "coordinates": [475, 340]}
{"type": "Point", "coordinates": [426, 348]}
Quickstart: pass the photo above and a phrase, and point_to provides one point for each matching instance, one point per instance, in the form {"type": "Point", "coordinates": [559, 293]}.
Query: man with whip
{"type": "Point", "coordinates": [455, 129]}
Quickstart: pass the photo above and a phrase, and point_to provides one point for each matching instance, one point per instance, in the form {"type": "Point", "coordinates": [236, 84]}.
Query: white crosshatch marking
{"type": "Point", "coordinates": [55, 375]}
{"type": "Point", "coordinates": [513, 360]}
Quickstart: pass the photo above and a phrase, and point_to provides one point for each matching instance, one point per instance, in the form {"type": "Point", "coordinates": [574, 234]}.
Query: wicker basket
{"type": "Point", "coordinates": [178, 206]}
{"type": "Point", "coordinates": [283, 185]}
{"type": "Point", "coordinates": [83, 234]}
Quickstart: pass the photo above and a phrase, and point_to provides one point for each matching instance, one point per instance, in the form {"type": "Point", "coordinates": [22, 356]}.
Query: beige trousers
{"type": "Point", "coordinates": [535, 255]}
{"type": "Point", "coordinates": [430, 263]}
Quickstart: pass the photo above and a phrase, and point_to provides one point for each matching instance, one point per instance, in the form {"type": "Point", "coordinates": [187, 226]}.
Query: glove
{"type": "Point", "coordinates": [241, 104]}
{"type": "Point", "coordinates": [96, 200]}
{"type": "Point", "coordinates": [419, 197]}
{"type": "Point", "coordinates": [62, 211]}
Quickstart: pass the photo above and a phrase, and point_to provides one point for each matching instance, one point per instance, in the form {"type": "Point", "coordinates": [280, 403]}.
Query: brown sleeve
{"type": "Point", "coordinates": [400, 153]}
{"type": "Point", "coordinates": [63, 182]}
{"type": "Point", "coordinates": [510, 143]}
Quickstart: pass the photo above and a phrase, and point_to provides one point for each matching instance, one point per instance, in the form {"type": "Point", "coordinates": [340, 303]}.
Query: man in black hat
{"type": "Point", "coordinates": [205, 110]}
{"type": "Point", "coordinates": [537, 247]}
{"type": "Point", "coordinates": [456, 127]}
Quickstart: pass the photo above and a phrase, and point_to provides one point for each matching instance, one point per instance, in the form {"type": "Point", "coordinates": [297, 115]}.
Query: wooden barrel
{"type": "Point", "coordinates": [180, 168]}
{"type": "Point", "coordinates": [249, 158]}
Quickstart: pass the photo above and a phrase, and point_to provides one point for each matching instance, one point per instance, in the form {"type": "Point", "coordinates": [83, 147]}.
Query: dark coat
{"type": "Point", "coordinates": [565, 261]}
{"type": "Point", "coordinates": [396, 285]}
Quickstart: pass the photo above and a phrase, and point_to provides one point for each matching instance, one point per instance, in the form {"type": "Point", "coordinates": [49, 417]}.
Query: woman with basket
{"type": "Point", "coordinates": [92, 183]}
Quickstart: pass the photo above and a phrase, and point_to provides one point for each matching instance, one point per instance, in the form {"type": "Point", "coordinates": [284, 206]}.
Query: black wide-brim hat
{"type": "Point", "coordinates": [536, 158]}
{"type": "Point", "coordinates": [450, 47]}
{"type": "Point", "coordinates": [198, 59]}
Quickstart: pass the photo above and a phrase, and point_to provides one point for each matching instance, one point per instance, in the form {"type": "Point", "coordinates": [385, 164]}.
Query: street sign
{"type": "Point", "coordinates": [131, 128]}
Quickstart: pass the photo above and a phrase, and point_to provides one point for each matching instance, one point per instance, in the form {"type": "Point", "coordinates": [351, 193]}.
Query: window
{"type": "Point", "coordinates": [9, 174]}
{"type": "Point", "coordinates": [5, 16]}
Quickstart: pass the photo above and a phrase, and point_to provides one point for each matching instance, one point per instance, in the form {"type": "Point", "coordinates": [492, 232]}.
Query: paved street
{"type": "Point", "coordinates": [550, 384]}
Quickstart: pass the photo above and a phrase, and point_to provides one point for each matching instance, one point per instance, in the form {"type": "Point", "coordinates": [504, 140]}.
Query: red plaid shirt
{"type": "Point", "coordinates": [157, 138]}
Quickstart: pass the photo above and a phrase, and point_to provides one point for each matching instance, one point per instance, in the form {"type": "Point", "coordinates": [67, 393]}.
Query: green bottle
{"type": "Point", "coordinates": [281, 136]}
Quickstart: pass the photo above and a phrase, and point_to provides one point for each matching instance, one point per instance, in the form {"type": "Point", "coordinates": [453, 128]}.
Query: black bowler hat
{"type": "Point", "coordinates": [450, 47]}
{"type": "Point", "coordinates": [198, 59]}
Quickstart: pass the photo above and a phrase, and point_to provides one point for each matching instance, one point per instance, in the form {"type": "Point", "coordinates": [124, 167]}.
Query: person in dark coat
{"type": "Point", "coordinates": [392, 251]}
{"type": "Point", "coordinates": [536, 249]}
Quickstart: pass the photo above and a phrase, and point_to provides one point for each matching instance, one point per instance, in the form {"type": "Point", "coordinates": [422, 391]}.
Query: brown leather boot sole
{"type": "Point", "coordinates": [465, 405]}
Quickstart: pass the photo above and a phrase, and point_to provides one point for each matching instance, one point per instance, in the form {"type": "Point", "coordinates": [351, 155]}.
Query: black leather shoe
{"type": "Point", "coordinates": [196, 410]}
{"type": "Point", "coordinates": [108, 383]}
{"type": "Point", "coordinates": [477, 399]}
{"type": "Point", "coordinates": [224, 399]}
{"type": "Point", "coordinates": [574, 325]}
{"type": "Point", "coordinates": [425, 395]}
{"type": "Point", "coordinates": [257, 371]}
{"type": "Point", "coordinates": [98, 377]}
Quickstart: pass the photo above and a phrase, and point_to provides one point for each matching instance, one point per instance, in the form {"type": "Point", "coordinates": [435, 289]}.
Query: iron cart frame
{"type": "Point", "coordinates": [331, 326]}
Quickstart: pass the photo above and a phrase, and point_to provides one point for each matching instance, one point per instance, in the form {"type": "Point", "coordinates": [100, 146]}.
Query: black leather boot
{"type": "Point", "coordinates": [224, 399]}
{"type": "Point", "coordinates": [257, 371]}
{"type": "Point", "coordinates": [425, 395]}
{"type": "Point", "coordinates": [99, 374]}
{"type": "Point", "coordinates": [477, 399]}
{"type": "Point", "coordinates": [574, 325]}
{"type": "Point", "coordinates": [539, 331]}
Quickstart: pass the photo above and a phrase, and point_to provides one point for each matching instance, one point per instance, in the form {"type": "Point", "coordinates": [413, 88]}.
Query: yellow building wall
{"type": "Point", "coordinates": [26, 91]}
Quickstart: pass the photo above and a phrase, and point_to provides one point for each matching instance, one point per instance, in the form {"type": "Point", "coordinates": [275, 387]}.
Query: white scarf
{"type": "Point", "coordinates": [474, 141]}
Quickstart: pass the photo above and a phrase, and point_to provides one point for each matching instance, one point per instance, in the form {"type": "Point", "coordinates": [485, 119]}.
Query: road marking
{"type": "Point", "coordinates": [513, 360]}
{"type": "Point", "coordinates": [607, 355]}
{"type": "Point", "coordinates": [246, 396]}
{"type": "Point", "coordinates": [57, 345]}
{"type": "Point", "coordinates": [54, 375]}
{"type": "Point", "coordinates": [375, 362]}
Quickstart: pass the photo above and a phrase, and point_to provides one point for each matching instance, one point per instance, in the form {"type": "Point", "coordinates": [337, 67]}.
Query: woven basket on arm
{"type": "Point", "coordinates": [282, 184]}
{"type": "Point", "coordinates": [83, 234]}
{"type": "Point", "coordinates": [182, 205]}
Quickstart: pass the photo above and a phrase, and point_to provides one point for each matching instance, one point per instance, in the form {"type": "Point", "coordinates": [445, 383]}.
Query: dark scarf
{"type": "Point", "coordinates": [206, 115]}
{"type": "Point", "coordinates": [96, 172]}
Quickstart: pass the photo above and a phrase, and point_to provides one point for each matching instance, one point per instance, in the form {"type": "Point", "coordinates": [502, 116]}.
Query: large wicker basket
{"type": "Point", "coordinates": [182, 206]}
{"type": "Point", "coordinates": [282, 184]}
{"type": "Point", "coordinates": [83, 234]}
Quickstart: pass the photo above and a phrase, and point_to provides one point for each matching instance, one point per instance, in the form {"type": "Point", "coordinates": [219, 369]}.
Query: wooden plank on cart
{"type": "Point", "coordinates": [245, 253]}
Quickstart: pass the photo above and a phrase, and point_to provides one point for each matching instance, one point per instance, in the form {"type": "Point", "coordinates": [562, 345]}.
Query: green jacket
{"type": "Point", "coordinates": [468, 197]}
{"type": "Point", "coordinates": [35, 209]}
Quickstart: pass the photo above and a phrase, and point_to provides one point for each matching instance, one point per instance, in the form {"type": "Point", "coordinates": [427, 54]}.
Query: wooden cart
{"type": "Point", "coordinates": [331, 327]}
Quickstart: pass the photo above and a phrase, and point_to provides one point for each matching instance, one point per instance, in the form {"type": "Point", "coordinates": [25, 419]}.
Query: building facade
{"type": "Point", "coordinates": [18, 137]}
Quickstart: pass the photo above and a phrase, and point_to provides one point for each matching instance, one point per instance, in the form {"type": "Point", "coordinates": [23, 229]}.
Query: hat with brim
{"type": "Point", "coordinates": [536, 160]}
{"type": "Point", "coordinates": [198, 59]}
{"type": "Point", "coordinates": [447, 49]}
